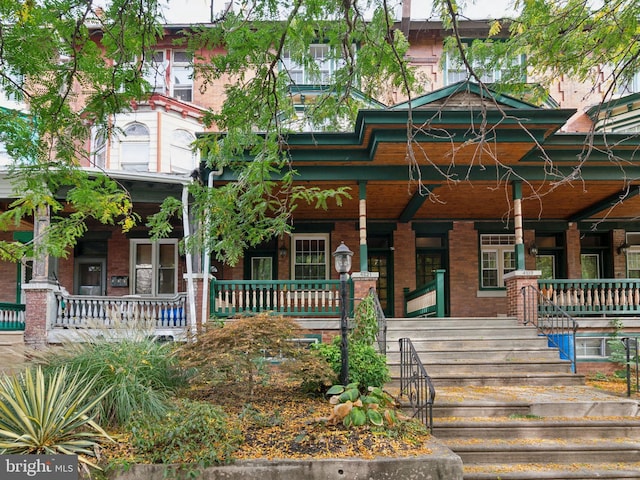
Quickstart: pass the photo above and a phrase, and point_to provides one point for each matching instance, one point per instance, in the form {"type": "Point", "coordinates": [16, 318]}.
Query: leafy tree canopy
{"type": "Point", "coordinates": [75, 65]}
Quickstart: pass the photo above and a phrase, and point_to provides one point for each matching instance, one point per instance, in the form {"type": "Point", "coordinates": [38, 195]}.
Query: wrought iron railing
{"type": "Point", "coordinates": [594, 297]}
{"type": "Point", "coordinates": [382, 322]}
{"type": "Point", "coordinates": [95, 311]}
{"type": "Point", "coordinates": [428, 300]}
{"type": "Point", "coordinates": [415, 384]}
{"type": "Point", "coordinates": [631, 351]}
{"type": "Point", "coordinates": [552, 321]}
{"type": "Point", "coordinates": [11, 316]}
{"type": "Point", "coordinates": [287, 297]}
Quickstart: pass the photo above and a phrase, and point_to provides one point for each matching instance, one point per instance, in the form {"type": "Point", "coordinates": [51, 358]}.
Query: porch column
{"type": "Point", "coordinates": [517, 220]}
{"type": "Point", "coordinates": [201, 303]}
{"type": "Point", "coordinates": [362, 283]}
{"type": "Point", "coordinates": [39, 298]}
{"type": "Point", "coordinates": [40, 304]}
{"type": "Point", "coordinates": [364, 254]}
{"type": "Point", "coordinates": [515, 281]}
{"type": "Point", "coordinates": [41, 258]}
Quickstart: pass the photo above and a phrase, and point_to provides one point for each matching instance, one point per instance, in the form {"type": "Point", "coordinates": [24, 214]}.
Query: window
{"type": "Point", "coordinates": [155, 72]}
{"type": "Point", "coordinates": [182, 76]}
{"type": "Point", "coordinates": [170, 72]}
{"type": "Point", "coordinates": [99, 149]}
{"type": "Point", "coordinates": [429, 258]}
{"type": "Point", "coordinates": [154, 267]}
{"type": "Point", "coordinates": [593, 347]}
{"type": "Point", "coordinates": [325, 66]}
{"type": "Point", "coordinates": [455, 70]}
{"type": "Point", "coordinates": [134, 148]}
{"type": "Point", "coordinates": [633, 255]}
{"type": "Point", "coordinates": [310, 257]}
{"type": "Point", "coordinates": [262, 268]}
{"type": "Point", "coordinates": [183, 159]}
{"type": "Point", "coordinates": [590, 265]}
{"type": "Point", "coordinates": [497, 259]}
{"type": "Point", "coordinates": [547, 265]}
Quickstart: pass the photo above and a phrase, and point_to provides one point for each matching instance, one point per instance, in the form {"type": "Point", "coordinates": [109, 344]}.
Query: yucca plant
{"type": "Point", "coordinates": [49, 414]}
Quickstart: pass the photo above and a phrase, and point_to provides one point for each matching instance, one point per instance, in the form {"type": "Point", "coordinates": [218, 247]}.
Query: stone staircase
{"type": "Point", "coordinates": [511, 408]}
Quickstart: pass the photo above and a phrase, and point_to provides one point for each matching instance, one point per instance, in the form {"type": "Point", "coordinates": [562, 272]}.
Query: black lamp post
{"type": "Point", "coordinates": [342, 257]}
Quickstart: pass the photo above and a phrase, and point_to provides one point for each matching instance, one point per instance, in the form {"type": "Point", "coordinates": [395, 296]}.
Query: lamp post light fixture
{"type": "Point", "coordinates": [342, 258]}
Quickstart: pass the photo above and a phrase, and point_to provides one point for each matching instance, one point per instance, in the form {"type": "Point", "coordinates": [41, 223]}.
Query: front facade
{"type": "Point", "coordinates": [521, 195]}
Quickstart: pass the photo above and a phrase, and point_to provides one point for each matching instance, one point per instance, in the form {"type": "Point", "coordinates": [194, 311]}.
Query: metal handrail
{"type": "Point", "coordinates": [415, 384]}
{"type": "Point", "coordinates": [551, 321]}
{"type": "Point", "coordinates": [382, 322]}
{"type": "Point", "coordinates": [631, 343]}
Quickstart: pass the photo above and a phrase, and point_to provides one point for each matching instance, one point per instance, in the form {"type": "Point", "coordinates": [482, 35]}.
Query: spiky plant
{"type": "Point", "coordinates": [50, 414]}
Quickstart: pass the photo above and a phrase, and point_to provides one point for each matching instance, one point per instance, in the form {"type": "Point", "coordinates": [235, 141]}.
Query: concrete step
{"type": "Point", "coordinates": [513, 426]}
{"type": "Point", "coordinates": [428, 323]}
{"type": "Point", "coordinates": [550, 471]}
{"type": "Point", "coordinates": [507, 355]}
{"type": "Point", "coordinates": [478, 379]}
{"type": "Point", "coordinates": [457, 344]}
{"type": "Point", "coordinates": [456, 332]}
{"type": "Point", "coordinates": [466, 367]}
{"type": "Point", "coordinates": [490, 451]}
{"type": "Point", "coordinates": [568, 401]}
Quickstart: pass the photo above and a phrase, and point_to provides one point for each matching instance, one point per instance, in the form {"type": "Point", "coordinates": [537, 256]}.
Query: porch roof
{"type": "Point", "coordinates": [457, 174]}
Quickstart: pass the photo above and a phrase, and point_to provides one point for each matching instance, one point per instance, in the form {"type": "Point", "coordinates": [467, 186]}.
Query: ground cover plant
{"type": "Point", "coordinates": [249, 395]}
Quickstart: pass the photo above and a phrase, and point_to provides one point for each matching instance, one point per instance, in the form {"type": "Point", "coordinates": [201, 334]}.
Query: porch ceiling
{"type": "Point", "coordinates": [487, 200]}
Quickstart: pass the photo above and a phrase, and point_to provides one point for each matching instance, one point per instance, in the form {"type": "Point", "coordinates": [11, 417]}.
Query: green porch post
{"type": "Point", "coordinates": [364, 253]}
{"type": "Point", "coordinates": [517, 220]}
{"type": "Point", "coordinates": [440, 299]}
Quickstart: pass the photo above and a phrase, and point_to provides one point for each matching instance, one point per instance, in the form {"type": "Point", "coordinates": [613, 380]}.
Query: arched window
{"type": "Point", "coordinates": [183, 159]}
{"type": "Point", "coordinates": [134, 148]}
{"type": "Point", "coordinates": [99, 149]}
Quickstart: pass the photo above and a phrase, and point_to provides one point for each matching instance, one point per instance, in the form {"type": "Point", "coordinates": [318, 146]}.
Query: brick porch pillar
{"type": "Point", "coordinates": [515, 281]}
{"type": "Point", "coordinates": [39, 300]}
{"type": "Point", "coordinates": [362, 283]}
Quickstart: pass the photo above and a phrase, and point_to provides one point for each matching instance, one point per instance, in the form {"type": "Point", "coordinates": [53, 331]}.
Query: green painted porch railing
{"type": "Point", "coordinates": [594, 297]}
{"type": "Point", "coordinates": [428, 300]}
{"type": "Point", "coordinates": [287, 297]}
{"type": "Point", "coordinates": [11, 316]}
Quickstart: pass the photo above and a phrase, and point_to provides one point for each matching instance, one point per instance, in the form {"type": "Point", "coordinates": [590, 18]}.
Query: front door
{"type": "Point", "coordinates": [91, 276]}
{"type": "Point", "coordinates": [381, 263]}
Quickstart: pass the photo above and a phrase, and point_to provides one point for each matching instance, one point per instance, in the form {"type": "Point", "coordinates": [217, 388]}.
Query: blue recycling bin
{"type": "Point", "coordinates": [563, 342]}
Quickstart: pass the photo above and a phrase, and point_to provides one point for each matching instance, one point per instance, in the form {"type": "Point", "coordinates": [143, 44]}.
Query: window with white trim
{"type": "Point", "coordinates": [301, 74]}
{"type": "Point", "coordinates": [498, 258]}
{"type": "Point", "coordinates": [182, 75]}
{"type": "Point", "coordinates": [310, 257]}
{"type": "Point", "coordinates": [134, 148]}
{"type": "Point", "coordinates": [154, 267]}
{"type": "Point", "coordinates": [155, 72]}
{"type": "Point", "coordinates": [456, 71]}
{"type": "Point", "coordinates": [182, 156]}
{"type": "Point", "coordinates": [593, 347]}
{"type": "Point", "coordinates": [99, 149]}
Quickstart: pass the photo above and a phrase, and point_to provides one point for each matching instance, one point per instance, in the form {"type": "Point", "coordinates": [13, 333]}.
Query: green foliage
{"type": "Point", "coordinates": [50, 413]}
{"type": "Point", "coordinates": [365, 319]}
{"type": "Point", "coordinates": [354, 409]}
{"type": "Point", "coordinates": [191, 432]}
{"type": "Point", "coordinates": [366, 365]}
{"type": "Point", "coordinates": [141, 373]}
